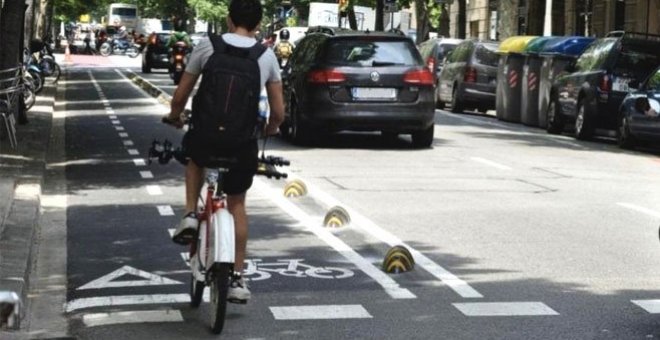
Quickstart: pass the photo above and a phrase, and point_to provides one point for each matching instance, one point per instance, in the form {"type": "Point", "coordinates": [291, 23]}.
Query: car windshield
{"type": "Point", "coordinates": [163, 38]}
{"type": "Point", "coordinates": [486, 54]}
{"type": "Point", "coordinates": [370, 53]}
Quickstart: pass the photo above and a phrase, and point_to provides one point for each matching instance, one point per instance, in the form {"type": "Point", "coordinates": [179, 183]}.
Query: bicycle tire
{"type": "Point", "coordinates": [196, 291]}
{"type": "Point", "coordinates": [219, 289]}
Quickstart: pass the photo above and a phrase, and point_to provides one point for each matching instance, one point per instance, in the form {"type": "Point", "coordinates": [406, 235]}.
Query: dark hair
{"type": "Point", "coordinates": [246, 13]}
{"type": "Point", "coordinates": [642, 104]}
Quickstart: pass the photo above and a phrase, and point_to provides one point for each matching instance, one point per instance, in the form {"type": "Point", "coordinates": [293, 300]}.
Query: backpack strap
{"type": "Point", "coordinates": [254, 52]}
{"type": "Point", "coordinates": [219, 44]}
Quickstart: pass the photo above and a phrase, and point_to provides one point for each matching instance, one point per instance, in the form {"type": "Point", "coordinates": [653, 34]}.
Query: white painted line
{"type": "Point", "coordinates": [165, 210]}
{"type": "Point", "coordinates": [113, 117]}
{"type": "Point", "coordinates": [637, 208]}
{"type": "Point", "coordinates": [504, 308]}
{"type": "Point", "coordinates": [123, 134]}
{"type": "Point", "coordinates": [390, 286]}
{"type": "Point", "coordinates": [143, 316]}
{"type": "Point", "coordinates": [115, 121]}
{"type": "Point", "coordinates": [146, 174]}
{"type": "Point", "coordinates": [124, 300]}
{"type": "Point", "coordinates": [109, 111]}
{"type": "Point", "coordinates": [108, 280]}
{"type": "Point", "coordinates": [128, 143]}
{"type": "Point", "coordinates": [171, 232]}
{"type": "Point", "coordinates": [360, 222]}
{"type": "Point", "coordinates": [119, 128]}
{"type": "Point", "coordinates": [651, 306]}
{"type": "Point", "coordinates": [133, 152]}
{"type": "Point", "coordinates": [490, 163]}
{"type": "Point", "coordinates": [139, 162]}
{"type": "Point", "coordinates": [321, 312]}
{"type": "Point", "coordinates": [154, 190]}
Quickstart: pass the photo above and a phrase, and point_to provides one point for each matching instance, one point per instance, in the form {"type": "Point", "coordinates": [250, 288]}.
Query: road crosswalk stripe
{"type": "Point", "coordinates": [142, 316]}
{"type": "Point", "coordinates": [651, 306]}
{"type": "Point", "coordinates": [320, 312]}
{"type": "Point", "coordinates": [504, 309]}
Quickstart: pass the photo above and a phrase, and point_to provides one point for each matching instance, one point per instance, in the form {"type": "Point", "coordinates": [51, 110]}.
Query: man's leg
{"type": "Point", "coordinates": [236, 205]}
{"type": "Point", "coordinates": [194, 181]}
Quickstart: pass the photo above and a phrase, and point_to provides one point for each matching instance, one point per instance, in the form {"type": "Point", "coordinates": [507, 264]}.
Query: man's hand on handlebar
{"type": "Point", "coordinates": [178, 121]}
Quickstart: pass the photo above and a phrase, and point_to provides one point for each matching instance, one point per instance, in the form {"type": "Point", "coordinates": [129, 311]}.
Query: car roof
{"type": "Point", "coordinates": [344, 32]}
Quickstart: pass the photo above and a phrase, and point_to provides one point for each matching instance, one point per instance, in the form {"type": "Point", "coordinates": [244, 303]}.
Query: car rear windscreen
{"type": "Point", "coordinates": [360, 52]}
{"type": "Point", "coordinates": [486, 55]}
{"type": "Point", "coordinates": [444, 50]}
{"type": "Point", "coordinates": [638, 58]}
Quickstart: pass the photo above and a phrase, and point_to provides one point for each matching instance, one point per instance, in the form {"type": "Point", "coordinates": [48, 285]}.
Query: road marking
{"type": "Point", "coordinates": [504, 309]}
{"type": "Point", "coordinates": [651, 306]}
{"type": "Point", "coordinates": [123, 134]}
{"type": "Point", "coordinates": [124, 300]}
{"type": "Point", "coordinates": [143, 316]}
{"type": "Point", "coordinates": [139, 162]}
{"type": "Point", "coordinates": [133, 152]}
{"type": "Point", "coordinates": [146, 174]}
{"type": "Point", "coordinates": [119, 128]}
{"type": "Point", "coordinates": [165, 210]}
{"type": "Point", "coordinates": [490, 163]}
{"type": "Point", "coordinates": [321, 312]}
{"type": "Point", "coordinates": [637, 208]}
{"type": "Point", "coordinates": [128, 143]}
{"type": "Point", "coordinates": [154, 190]}
{"type": "Point", "coordinates": [107, 281]}
{"type": "Point", "coordinates": [109, 111]}
{"type": "Point", "coordinates": [115, 122]}
{"type": "Point", "coordinates": [361, 222]}
{"type": "Point", "coordinates": [113, 117]}
{"type": "Point", "coordinates": [312, 225]}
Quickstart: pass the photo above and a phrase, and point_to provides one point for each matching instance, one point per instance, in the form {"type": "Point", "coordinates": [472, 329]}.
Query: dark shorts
{"type": "Point", "coordinates": [239, 178]}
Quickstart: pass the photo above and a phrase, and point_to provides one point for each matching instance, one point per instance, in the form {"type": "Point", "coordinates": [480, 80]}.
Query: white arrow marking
{"type": "Point", "coordinates": [106, 281]}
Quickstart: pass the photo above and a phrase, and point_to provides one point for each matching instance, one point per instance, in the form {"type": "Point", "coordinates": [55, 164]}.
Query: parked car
{"type": "Point", "coordinates": [590, 93]}
{"type": "Point", "coordinates": [638, 114]}
{"type": "Point", "coordinates": [156, 53]}
{"type": "Point", "coordinates": [434, 51]}
{"type": "Point", "coordinates": [468, 78]}
{"type": "Point", "coordinates": [360, 81]}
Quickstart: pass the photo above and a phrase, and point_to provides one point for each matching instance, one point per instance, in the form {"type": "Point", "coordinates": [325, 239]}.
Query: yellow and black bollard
{"type": "Point", "coordinates": [295, 188]}
{"type": "Point", "coordinates": [336, 217]}
{"type": "Point", "coordinates": [398, 260]}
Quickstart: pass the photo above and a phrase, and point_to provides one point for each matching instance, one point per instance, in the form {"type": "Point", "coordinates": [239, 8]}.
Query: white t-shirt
{"type": "Point", "coordinates": [268, 65]}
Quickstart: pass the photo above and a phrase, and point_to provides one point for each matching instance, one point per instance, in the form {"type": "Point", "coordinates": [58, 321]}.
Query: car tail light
{"type": "Point", "coordinates": [419, 77]}
{"type": "Point", "coordinates": [152, 40]}
{"type": "Point", "coordinates": [430, 63]}
{"type": "Point", "coordinates": [605, 85]}
{"type": "Point", "coordinates": [470, 75]}
{"type": "Point", "coordinates": [325, 77]}
{"type": "Point", "coordinates": [178, 57]}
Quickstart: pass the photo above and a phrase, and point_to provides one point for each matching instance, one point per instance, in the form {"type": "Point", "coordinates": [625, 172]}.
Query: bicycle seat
{"type": "Point", "coordinates": [220, 162]}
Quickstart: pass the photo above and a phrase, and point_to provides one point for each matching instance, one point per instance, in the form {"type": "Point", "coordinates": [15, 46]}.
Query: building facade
{"type": "Point", "coordinates": [499, 19]}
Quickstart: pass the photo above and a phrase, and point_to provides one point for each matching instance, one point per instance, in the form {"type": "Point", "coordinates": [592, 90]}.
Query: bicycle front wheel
{"type": "Point", "coordinates": [196, 291]}
{"type": "Point", "coordinates": [219, 288]}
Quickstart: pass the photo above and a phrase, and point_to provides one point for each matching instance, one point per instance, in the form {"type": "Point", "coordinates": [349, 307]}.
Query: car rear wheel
{"type": "Point", "coordinates": [439, 104]}
{"type": "Point", "coordinates": [300, 132]}
{"type": "Point", "coordinates": [555, 120]}
{"type": "Point", "coordinates": [582, 123]}
{"type": "Point", "coordinates": [145, 67]}
{"type": "Point", "coordinates": [424, 138]}
{"type": "Point", "coordinates": [623, 136]}
{"type": "Point", "coordinates": [456, 103]}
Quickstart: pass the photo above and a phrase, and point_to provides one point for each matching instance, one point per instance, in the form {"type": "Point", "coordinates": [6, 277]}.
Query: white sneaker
{"type": "Point", "coordinates": [238, 290]}
{"type": "Point", "coordinates": [186, 231]}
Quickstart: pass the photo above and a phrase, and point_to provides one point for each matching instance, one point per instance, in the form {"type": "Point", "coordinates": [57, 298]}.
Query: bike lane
{"type": "Point", "coordinates": [123, 269]}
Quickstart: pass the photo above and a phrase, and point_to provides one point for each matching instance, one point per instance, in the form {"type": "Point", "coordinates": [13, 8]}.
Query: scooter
{"type": "Point", "coordinates": [178, 61]}
{"type": "Point", "coordinates": [115, 46]}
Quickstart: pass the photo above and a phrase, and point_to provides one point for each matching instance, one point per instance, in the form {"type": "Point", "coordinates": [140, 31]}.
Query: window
{"type": "Point", "coordinates": [486, 54]}
{"type": "Point", "coordinates": [654, 81]}
{"type": "Point", "coordinates": [594, 57]}
{"type": "Point", "coordinates": [125, 12]}
{"type": "Point", "coordinates": [444, 50]}
{"type": "Point", "coordinates": [371, 52]}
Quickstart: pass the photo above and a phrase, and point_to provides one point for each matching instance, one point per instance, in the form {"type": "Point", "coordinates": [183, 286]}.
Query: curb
{"type": "Point", "coordinates": [160, 95]}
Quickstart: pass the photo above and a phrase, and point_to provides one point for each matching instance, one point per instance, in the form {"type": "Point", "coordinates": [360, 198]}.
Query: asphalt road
{"type": "Point", "coordinates": [517, 234]}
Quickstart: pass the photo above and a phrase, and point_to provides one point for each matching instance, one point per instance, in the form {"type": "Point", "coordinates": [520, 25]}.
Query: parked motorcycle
{"type": "Point", "coordinates": [178, 61]}
{"type": "Point", "coordinates": [116, 46]}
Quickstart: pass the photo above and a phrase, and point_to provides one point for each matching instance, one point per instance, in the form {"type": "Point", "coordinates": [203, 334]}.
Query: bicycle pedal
{"type": "Point", "coordinates": [237, 301]}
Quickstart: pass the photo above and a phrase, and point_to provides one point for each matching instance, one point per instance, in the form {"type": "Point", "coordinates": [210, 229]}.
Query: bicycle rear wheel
{"type": "Point", "coordinates": [219, 288]}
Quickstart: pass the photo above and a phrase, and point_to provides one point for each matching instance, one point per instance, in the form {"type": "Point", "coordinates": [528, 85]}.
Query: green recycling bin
{"type": "Point", "coordinates": [556, 56]}
{"type": "Point", "coordinates": [529, 98]}
{"type": "Point", "coordinates": [509, 78]}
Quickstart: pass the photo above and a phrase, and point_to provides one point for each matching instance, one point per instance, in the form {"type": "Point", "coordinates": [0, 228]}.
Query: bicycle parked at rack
{"type": "Point", "coordinates": [212, 256]}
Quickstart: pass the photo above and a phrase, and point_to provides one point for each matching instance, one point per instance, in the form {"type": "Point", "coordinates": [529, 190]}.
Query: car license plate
{"type": "Point", "coordinates": [621, 84]}
{"type": "Point", "coordinates": [373, 93]}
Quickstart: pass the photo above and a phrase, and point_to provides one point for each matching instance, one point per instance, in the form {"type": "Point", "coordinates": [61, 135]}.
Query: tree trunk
{"type": "Point", "coordinates": [352, 21]}
{"type": "Point", "coordinates": [380, 9]}
{"type": "Point", "coordinates": [461, 20]}
{"type": "Point", "coordinates": [11, 29]}
{"type": "Point", "coordinates": [423, 26]}
{"type": "Point", "coordinates": [507, 19]}
{"type": "Point", "coordinates": [443, 25]}
{"type": "Point", "coordinates": [535, 17]}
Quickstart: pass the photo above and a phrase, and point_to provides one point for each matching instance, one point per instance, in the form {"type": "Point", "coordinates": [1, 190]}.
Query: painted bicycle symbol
{"type": "Point", "coordinates": [257, 270]}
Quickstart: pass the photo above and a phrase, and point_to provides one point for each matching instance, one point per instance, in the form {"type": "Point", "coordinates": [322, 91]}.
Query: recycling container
{"type": "Point", "coordinates": [556, 56]}
{"type": "Point", "coordinates": [529, 97]}
{"type": "Point", "coordinates": [509, 77]}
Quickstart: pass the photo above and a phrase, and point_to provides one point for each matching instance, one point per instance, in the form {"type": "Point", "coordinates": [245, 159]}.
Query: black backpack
{"type": "Point", "coordinates": [225, 110]}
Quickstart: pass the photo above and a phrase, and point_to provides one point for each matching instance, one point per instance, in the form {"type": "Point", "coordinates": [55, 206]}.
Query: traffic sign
{"type": "Point", "coordinates": [391, 8]}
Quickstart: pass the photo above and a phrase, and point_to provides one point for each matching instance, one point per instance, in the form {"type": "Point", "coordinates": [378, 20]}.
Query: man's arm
{"type": "Point", "coordinates": [276, 102]}
{"type": "Point", "coordinates": [180, 97]}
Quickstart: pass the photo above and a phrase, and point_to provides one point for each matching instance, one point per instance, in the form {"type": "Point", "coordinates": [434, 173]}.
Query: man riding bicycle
{"type": "Point", "coordinates": [243, 20]}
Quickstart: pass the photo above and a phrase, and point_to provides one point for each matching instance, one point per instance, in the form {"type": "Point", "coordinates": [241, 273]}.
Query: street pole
{"type": "Point", "coordinates": [648, 15]}
{"type": "Point", "coordinates": [547, 25]}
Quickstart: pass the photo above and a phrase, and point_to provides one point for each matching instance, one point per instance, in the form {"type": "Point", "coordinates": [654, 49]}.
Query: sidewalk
{"type": "Point", "coordinates": [21, 179]}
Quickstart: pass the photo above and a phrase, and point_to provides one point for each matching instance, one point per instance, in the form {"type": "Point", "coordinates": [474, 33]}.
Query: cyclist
{"type": "Point", "coordinates": [243, 20]}
{"type": "Point", "coordinates": [122, 37]}
{"type": "Point", "coordinates": [283, 48]}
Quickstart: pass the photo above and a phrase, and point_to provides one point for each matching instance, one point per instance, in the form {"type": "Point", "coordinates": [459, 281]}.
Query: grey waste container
{"type": "Point", "coordinates": [529, 108]}
{"type": "Point", "coordinates": [509, 83]}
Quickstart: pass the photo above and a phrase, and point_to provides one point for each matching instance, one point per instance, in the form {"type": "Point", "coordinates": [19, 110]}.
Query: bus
{"type": "Point", "coordinates": [123, 15]}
